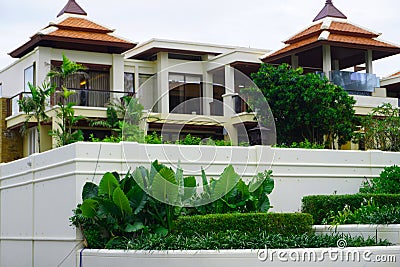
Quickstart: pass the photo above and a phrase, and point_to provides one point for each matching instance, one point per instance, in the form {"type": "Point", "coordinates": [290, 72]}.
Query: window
{"type": "Point", "coordinates": [129, 82]}
{"type": "Point", "coordinates": [185, 93]}
{"type": "Point", "coordinates": [32, 141]}
{"type": "Point", "coordinates": [29, 77]}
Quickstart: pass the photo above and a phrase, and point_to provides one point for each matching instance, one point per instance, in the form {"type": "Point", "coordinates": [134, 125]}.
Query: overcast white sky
{"type": "Point", "coordinates": [251, 23]}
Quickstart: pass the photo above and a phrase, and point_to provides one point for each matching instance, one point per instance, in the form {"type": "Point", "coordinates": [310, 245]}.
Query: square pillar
{"type": "Point", "coordinates": [229, 79]}
{"type": "Point", "coordinates": [162, 83]}
{"type": "Point", "coordinates": [326, 60]}
{"type": "Point", "coordinates": [208, 92]}
{"type": "Point", "coordinates": [117, 72]}
{"type": "Point", "coordinates": [294, 61]}
{"type": "Point", "coordinates": [368, 61]}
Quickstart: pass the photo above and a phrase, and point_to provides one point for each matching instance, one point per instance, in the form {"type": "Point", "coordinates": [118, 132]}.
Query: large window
{"type": "Point", "coordinates": [129, 82]}
{"type": "Point", "coordinates": [29, 77]}
{"type": "Point", "coordinates": [185, 93]}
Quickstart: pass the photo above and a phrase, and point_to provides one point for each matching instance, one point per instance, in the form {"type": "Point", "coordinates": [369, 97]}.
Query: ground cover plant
{"type": "Point", "coordinates": [238, 240]}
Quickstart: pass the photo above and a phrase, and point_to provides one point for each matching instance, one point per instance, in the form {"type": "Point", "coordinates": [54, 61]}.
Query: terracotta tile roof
{"type": "Point", "coordinates": [339, 32]}
{"type": "Point", "coordinates": [87, 36]}
{"type": "Point", "coordinates": [310, 30]}
{"type": "Point", "coordinates": [81, 23]}
{"type": "Point", "coordinates": [294, 46]}
{"type": "Point", "coordinates": [64, 35]}
{"type": "Point", "coordinates": [350, 28]}
{"type": "Point", "coordinates": [358, 40]}
{"type": "Point", "coordinates": [395, 74]}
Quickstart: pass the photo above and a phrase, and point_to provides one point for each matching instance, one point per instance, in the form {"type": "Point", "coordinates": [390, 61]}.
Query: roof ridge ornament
{"type": "Point", "coordinates": [72, 7]}
{"type": "Point", "coordinates": [329, 10]}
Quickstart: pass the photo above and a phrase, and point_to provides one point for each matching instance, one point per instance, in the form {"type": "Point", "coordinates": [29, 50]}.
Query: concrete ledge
{"type": "Point", "coordinates": [390, 232]}
{"type": "Point", "coordinates": [363, 256]}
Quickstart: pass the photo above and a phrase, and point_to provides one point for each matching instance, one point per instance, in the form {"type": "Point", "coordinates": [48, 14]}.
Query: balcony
{"type": "Point", "coordinates": [355, 82]}
{"type": "Point", "coordinates": [81, 97]}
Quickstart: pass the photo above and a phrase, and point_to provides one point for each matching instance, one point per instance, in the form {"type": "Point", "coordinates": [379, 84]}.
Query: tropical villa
{"type": "Point", "coordinates": [192, 87]}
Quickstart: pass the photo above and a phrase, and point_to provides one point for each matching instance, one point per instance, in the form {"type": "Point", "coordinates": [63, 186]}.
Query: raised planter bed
{"type": "Point", "coordinates": [363, 256]}
{"type": "Point", "coordinates": [390, 232]}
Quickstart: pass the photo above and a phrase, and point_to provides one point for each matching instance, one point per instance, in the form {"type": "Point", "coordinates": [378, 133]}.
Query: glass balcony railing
{"type": "Point", "coordinates": [81, 97]}
{"type": "Point", "coordinates": [355, 81]}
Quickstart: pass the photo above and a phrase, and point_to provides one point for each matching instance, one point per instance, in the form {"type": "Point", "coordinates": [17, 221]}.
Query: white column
{"type": "Point", "coordinates": [326, 59]}
{"type": "Point", "coordinates": [295, 61]}
{"type": "Point", "coordinates": [208, 91]}
{"type": "Point", "coordinates": [137, 84]}
{"type": "Point", "coordinates": [229, 79]}
{"type": "Point", "coordinates": [117, 72]}
{"type": "Point", "coordinates": [368, 61]}
{"type": "Point", "coordinates": [162, 83]}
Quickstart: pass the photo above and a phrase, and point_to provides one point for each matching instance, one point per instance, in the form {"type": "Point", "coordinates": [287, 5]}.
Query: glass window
{"type": "Point", "coordinates": [185, 91]}
{"type": "Point", "coordinates": [129, 82]}
{"type": "Point", "coordinates": [29, 77]}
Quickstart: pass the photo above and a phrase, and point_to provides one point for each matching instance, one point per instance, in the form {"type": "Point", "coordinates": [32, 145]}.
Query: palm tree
{"type": "Point", "coordinates": [66, 113]}
{"type": "Point", "coordinates": [35, 106]}
{"type": "Point", "coordinates": [67, 69]}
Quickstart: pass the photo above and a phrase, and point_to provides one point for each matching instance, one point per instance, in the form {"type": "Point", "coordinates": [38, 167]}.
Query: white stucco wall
{"type": "Point", "coordinates": [38, 193]}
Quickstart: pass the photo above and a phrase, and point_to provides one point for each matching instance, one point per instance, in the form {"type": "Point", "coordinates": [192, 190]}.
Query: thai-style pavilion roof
{"type": "Point", "coordinates": [74, 31]}
{"type": "Point", "coordinates": [343, 36]}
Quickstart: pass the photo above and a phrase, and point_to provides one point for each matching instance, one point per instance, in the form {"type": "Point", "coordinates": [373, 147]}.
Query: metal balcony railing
{"type": "Point", "coordinates": [81, 97]}
{"type": "Point", "coordinates": [355, 81]}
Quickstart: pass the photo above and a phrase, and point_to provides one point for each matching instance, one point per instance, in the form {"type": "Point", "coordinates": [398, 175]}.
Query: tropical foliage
{"type": "Point", "coordinates": [65, 134]}
{"type": "Point", "coordinates": [388, 182]}
{"type": "Point", "coordinates": [132, 205]}
{"type": "Point", "coordinates": [35, 106]}
{"type": "Point", "coordinates": [305, 106]}
{"type": "Point", "coordinates": [381, 128]}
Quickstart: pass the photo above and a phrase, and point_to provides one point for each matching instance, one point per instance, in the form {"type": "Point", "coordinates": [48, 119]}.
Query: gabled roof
{"type": "Point", "coordinates": [75, 32]}
{"type": "Point", "coordinates": [72, 8]}
{"type": "Point", "coordinates": [331, 11]}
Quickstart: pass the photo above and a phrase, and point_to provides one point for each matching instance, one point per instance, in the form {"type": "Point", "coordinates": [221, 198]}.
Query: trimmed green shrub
{"type": "Point", "coordinates": [320, 206]}
{"type": "Point", "coordinates": [238, 240]}
{"type": "Point", "coordinates": [368, 213]}
{"type": "Point", "coordinates": [271, 223]}
{"type": "Point", "coordinates": [388, 182]}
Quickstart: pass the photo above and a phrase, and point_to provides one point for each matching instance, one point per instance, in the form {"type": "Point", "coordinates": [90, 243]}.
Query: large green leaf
{"type": "Point", "coordinates": [107, 185]}
{"type": "Point", "coordinates": [226, 182]}
{"type": "Point", "coordinates": [90, 190]}
{"type": "Point", "coordinates": [89, 208]}
{"type": "Point", "coordinates": [164, 186]}
{"type": "Point", "coordinates": [122, 202]}
{"type": "Point", "coordinates": [137, 199]}
{"type": "Point", "coordinates": [131, 228]}
{"type": "Point", "coordinates": [169, 175]}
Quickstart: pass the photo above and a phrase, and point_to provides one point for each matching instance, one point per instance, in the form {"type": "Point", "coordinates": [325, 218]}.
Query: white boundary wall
{"type": "Point", "coordinates": [364, 256]}
{"type": "Point", "coordinates": [38, 193]}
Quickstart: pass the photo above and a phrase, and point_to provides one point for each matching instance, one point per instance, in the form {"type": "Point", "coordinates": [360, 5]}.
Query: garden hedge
{"type": "Point", "coordinates": [273, 223]}
{"type": "Point", "coordinates": [319, 206]}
